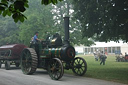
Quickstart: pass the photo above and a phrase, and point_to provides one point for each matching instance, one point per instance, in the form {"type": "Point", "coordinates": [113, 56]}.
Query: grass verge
{"type": "Point", "coordinates": [112, 70]}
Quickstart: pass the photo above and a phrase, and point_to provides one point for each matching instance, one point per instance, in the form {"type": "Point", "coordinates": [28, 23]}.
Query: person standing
{"type": "Point", "coordinates": [36, 41]}
{"type": "Point", "coordinates": [96, 56]}
{"type": "Point", "coordinates": [103, 58]}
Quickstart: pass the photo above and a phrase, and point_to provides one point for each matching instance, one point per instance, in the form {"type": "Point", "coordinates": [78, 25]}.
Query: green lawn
{"type": "Point", "coordinates": [112, 70]}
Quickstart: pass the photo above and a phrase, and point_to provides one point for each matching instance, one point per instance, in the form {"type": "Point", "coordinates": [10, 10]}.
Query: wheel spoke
{"type": "Point", "coordinates": [78, 71]}
{"type": "Point", "coordinates": [82, 69]}
{"type": "Point", "coordinates": [24, 54]}
{"type": "Point", "coordinates": [82, 63]}
{"type": "Point", "coordinates": [78, 61]}
{"type": "Point", "coordinates": [75, 63]}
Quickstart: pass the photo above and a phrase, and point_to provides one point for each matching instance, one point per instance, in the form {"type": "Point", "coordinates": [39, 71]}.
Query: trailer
{"type": "Point", "coordinates": [10, 55]}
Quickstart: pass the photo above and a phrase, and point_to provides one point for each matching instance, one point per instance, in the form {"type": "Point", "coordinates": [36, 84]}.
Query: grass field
{"type": "Point", "coordinates": [112, 70]}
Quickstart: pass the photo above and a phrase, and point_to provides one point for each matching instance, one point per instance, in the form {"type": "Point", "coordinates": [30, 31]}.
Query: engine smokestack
{"type": "Point", "coordinates": [66, 29]}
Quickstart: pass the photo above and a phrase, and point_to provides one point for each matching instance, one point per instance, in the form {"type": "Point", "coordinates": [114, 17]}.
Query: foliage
{"type": "Point", "coordinates": [15, 8]}
{"type": "Point", "coordinates": [7, 33]}
{"type": "Point", "coordinates": [43, 23]}
{"type": "Point", "coordinates": [63, 9]}
{"type": "Point", "coordinates": [22, 32]}
{"type": "Point", "coordinates": [104, 20]}
{"type": "Point", "coordinates": [47, 20]}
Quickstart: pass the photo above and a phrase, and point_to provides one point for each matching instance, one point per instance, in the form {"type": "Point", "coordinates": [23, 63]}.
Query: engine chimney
{"type": "Point", "coordinates": [66, 29]}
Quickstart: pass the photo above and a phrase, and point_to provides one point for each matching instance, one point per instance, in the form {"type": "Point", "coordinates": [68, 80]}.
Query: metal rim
{"type": "Point", "coordinates": [55, 69]}
{"type": "Point", "coordinates": [28, 61]}
{"type": "Point", "coordinates": [79, 66]}
{"type": "Point", "coordinates": [7, 65]}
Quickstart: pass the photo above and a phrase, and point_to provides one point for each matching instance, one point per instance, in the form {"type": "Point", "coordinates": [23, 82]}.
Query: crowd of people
{"type": "Point", "coordinates": [100, 55]}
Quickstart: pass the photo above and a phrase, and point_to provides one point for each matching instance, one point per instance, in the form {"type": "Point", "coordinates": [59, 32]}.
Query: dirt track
{"type": "Point", "coordinates": [16, 77]}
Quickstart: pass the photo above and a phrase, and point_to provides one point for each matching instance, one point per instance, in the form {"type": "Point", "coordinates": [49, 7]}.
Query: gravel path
{"type": "Point", "coordinates": [41, 77]}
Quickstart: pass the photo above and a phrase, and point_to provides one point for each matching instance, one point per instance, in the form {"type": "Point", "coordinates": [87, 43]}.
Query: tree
{"type": "Point", "coordinates": [43, 23]}
{"type": "Point", "coordinates": [65, 8]}
{"type": "Point", "coordinates": [49, 22]}
{"type": "Point", "coordinates": [7, 33]}
{"type": "Point", "coordinates": [104, 20]}
{"type": "Point", "coordinates": [15, 8]}
{"type": "Point", "coordinates": [12, 32]}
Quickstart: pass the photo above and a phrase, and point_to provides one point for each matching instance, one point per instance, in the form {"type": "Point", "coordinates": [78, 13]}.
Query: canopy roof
{"type": "Point", "coordinates": [108, 44]}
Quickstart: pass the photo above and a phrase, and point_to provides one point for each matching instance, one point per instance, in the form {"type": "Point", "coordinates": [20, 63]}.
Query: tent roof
{"type": "Point", "coordinates": [108, 44]}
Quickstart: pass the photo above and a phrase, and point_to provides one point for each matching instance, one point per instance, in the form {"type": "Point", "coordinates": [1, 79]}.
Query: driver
{"type": "Point", "coordinates": [35, 38]}
{"type": "Point", "coordinates": [36, 44]}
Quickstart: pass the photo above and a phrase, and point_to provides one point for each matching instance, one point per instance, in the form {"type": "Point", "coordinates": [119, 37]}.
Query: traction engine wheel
{"type": "Point", "coordinates": [55, 69]}
{"type": "Point", "coordinates": [79, 66]}
{"type": "Point", "coordinates": [28, 61]}
{"type": "Point", "coordinates": [7, 65]}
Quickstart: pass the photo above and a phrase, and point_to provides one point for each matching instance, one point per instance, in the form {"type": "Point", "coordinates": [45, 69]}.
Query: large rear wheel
{"type": "Point", "coordinates": [28, 61]}
{"type": "Point", "coordinates": [79, 66]}
{"type": "Point", "coordinates": [55, 69]}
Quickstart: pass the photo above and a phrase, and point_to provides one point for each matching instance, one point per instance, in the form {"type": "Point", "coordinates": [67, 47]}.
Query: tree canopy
{"type": "Point", "coordinates": [15, 8]}
{"type": "Point", "coordinates": [43, 23]}
{"type": "Point", "coordinates": [104, 20]}
{"type": "Point", "coordinates": [65, 8]}
{"type": "Point", "coordinates": [47, 20]}
{"type": "Point", "coordinates": [7, 33]}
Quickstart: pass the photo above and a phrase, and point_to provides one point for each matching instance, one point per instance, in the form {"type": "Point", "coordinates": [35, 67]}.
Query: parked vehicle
{"type": "Point", "coordinates": [10, 54]}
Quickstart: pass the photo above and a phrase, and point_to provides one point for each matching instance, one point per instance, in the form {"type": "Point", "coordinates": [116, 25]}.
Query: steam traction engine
{"type": "Point", "coordinates": [10, 54]}
{"type": "Point", "coordinates": [53, 55]}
